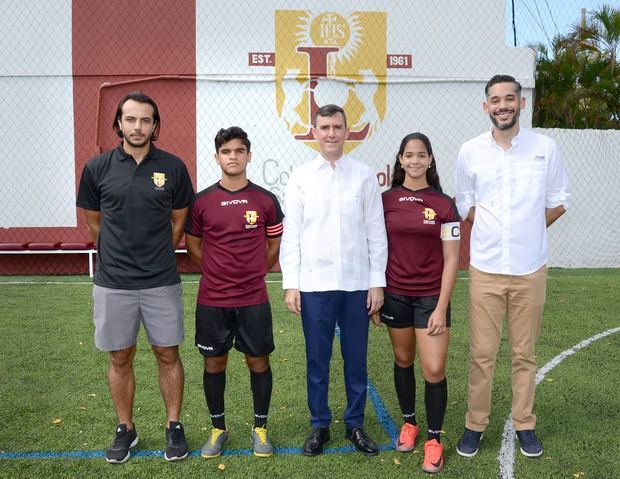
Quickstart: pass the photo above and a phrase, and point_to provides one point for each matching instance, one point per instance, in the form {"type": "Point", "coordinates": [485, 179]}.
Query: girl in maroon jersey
{"type": "Point", "coordinates": [423, 251]}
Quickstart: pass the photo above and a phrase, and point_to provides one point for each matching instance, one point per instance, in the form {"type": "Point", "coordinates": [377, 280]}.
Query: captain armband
{"type": "Point", "coordinates": [451, 231]}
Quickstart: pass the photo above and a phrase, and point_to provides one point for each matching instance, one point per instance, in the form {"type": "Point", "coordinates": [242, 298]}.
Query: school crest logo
{"type": "Point", "coordinates": [429, 213]}
{"type": "Point", "coordinates": [251, 217]}
{"type": "Point", "coordinates": [331, 57]}
{"type": "Point", "coordinates": [159, 179]}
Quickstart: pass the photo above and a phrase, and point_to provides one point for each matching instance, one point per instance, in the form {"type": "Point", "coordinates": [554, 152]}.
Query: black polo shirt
{"type": "Point", "coordinates": [134, 248]}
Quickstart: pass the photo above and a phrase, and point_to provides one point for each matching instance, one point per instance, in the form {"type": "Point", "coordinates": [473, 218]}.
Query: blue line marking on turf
{"type": "Point", "coordinates": [383, 416]}
{"type": "Point", "coordinates": [389, 426]}
{"type": "Point", "coordinates": [227, 452]}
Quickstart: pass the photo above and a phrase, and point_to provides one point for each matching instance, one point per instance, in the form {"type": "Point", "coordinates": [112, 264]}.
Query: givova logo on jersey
{"type": "Point", "coordinates": [330, 57]}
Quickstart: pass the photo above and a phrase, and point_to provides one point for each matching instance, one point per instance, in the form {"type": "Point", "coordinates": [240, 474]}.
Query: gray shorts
{"type": "Point", "coordinates": [118, 313]}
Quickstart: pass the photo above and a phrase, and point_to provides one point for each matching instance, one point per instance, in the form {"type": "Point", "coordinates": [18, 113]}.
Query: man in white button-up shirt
{"type": "Point", "coordinates": [511, 184]}
{"type": "Point", "coordinates": [333, 257]}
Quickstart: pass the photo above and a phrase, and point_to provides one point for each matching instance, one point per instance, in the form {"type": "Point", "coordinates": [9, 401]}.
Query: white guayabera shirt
{"type": "Point", "coordinates": [510, 191]}
{"type": "Point", "coordinates": [334, 231]}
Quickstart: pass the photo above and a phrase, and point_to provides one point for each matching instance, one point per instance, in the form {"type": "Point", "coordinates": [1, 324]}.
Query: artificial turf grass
{"type": "Point", "coordinates": [49, 374]}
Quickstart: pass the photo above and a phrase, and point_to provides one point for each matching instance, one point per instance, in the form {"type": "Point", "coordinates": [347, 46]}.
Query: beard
{"type": "Point", "coordinates": [136, 142]}
{"type": "Point", "coordinates": [509, 124]}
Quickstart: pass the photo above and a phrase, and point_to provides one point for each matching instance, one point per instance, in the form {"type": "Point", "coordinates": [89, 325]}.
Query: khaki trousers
{"type": "Point", "coordinates": [491, 296]}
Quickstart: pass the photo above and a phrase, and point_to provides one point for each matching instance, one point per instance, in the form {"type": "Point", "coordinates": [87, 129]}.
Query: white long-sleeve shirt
{"type": "Point", "coordinates": [510, 191]}
{"type": "Point", "coordinates": [334, 231]}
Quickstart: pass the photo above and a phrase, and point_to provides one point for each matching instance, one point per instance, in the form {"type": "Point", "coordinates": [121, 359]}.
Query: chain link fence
{"type": "Point", "coordinates": [396, 67]}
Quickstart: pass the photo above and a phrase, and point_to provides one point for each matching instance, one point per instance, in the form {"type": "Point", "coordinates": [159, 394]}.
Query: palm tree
{"type": "Point", "coordinates": [577, 83]}
{"type": "Point", "coordinates": [600, 34]}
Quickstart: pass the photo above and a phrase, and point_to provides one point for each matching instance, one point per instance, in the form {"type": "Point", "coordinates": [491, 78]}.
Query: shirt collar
{"type": "Point", "coordinates": [515, 141]}
{"type": "Point", "coordinates": [247, 186]}
{"type": "Point", "coordinates": [123, 155]}
{"type": "Point", "coordinates": [319, 162]}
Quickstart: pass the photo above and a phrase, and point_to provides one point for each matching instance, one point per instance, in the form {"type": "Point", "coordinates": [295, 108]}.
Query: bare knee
{"type": "Point", "coordinates": [434, 373]}
{"type": "Point", "coordinates": [122, 359]}
{"type": "Point", "coordinates": [216, 364]}
{"type": "Point", "coordinates": [166, 356]}
{"type": "Point", "coordinates": [257, 364]}
{"type": "Point", "coordinates": [404, 357]}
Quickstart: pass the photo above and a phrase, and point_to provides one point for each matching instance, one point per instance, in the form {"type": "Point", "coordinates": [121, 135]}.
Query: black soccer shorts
{"type": "Point", "coordinates": [409, 311]}
{"type": "Point", "coordinates": [249, 327]}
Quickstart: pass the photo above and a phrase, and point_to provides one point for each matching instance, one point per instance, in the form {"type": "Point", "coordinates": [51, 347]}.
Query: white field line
{"type": "Point", "coordinates": [506, 456]}
{"type": "Point", "coordinates": [266, 281]}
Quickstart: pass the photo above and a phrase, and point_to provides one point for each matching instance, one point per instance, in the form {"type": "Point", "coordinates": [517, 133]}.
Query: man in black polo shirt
{"type": "Point", "coordinates": [135, 199]}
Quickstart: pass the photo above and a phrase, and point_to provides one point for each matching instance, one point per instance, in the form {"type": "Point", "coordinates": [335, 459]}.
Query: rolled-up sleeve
{"type": "Point", "coordinates": [557, 189]}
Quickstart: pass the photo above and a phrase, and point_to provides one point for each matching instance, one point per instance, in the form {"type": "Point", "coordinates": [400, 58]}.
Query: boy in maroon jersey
{"type": "Point", "coordinates": [423, 232]}
{"type": "Point", "coordinates": [233, 232]}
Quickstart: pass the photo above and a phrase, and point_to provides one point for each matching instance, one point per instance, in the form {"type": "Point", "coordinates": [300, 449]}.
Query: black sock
{"type": "Point", "coordinates": [404, 380]}
{"type": "Point", "coordinates": [436, 399]}
{"type": "Point", "coordinates": [261, 393]}
{"type": "Point", "coordinates": [214, 386]}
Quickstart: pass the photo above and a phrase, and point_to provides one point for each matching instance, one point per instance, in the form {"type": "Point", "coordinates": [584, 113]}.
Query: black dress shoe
{"type": "Point", "coordinates": [314, 444]}
{"type": "Point", "coordinates": [361, 441]}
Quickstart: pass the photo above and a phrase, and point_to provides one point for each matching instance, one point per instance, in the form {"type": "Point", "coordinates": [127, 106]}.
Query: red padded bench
{"type": "Point", "coordinates": [54, 247]}
{"type": "Point", "coordinates": [13, 246]}
{"type": "Point", "coordinates": [43, 246]}
{"type": "Point", "coordinates": [77, 246]}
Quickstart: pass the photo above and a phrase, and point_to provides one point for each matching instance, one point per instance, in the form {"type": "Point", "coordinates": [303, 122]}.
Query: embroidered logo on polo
{"type": "Point", "coordinates": [251, 216]}
{"type": "Point", "coordinates": [159, 179]}
{"type": "Point", "coordinates": [429, 215]}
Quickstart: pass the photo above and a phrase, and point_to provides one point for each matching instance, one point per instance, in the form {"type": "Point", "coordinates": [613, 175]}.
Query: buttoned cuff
{"type": "Point", "coordinates": [377, 279]}
{"type": "Point", "coordinates": [290, 281]}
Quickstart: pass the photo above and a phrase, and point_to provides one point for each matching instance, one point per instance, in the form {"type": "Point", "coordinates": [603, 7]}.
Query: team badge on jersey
{"type": "Point", "coordinates": [429, 213]}
{"type": "Point", "coordinates": [251, 217]}
{"type": "Point", "coordinates": [159, 179]}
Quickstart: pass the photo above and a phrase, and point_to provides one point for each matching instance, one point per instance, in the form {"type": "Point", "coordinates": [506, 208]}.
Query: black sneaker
{"type": "Point", "coordinates": [530, 445]}
{"type": "Point", "coordinates": [177, 444]}
{"type": "Point", "coordinates": [118, 452]}
{"type": "Point", "coordinates": [470, 443]}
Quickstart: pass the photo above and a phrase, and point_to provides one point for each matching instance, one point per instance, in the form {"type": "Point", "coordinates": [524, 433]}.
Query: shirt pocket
{"type": "Point", "coordinates": [530, 178]}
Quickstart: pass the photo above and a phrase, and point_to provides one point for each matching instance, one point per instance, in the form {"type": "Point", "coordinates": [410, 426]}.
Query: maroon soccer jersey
{"type": "Point", "coordinates": [234, 227]}
{"type": "Point", "coordinates": [414, 221]}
